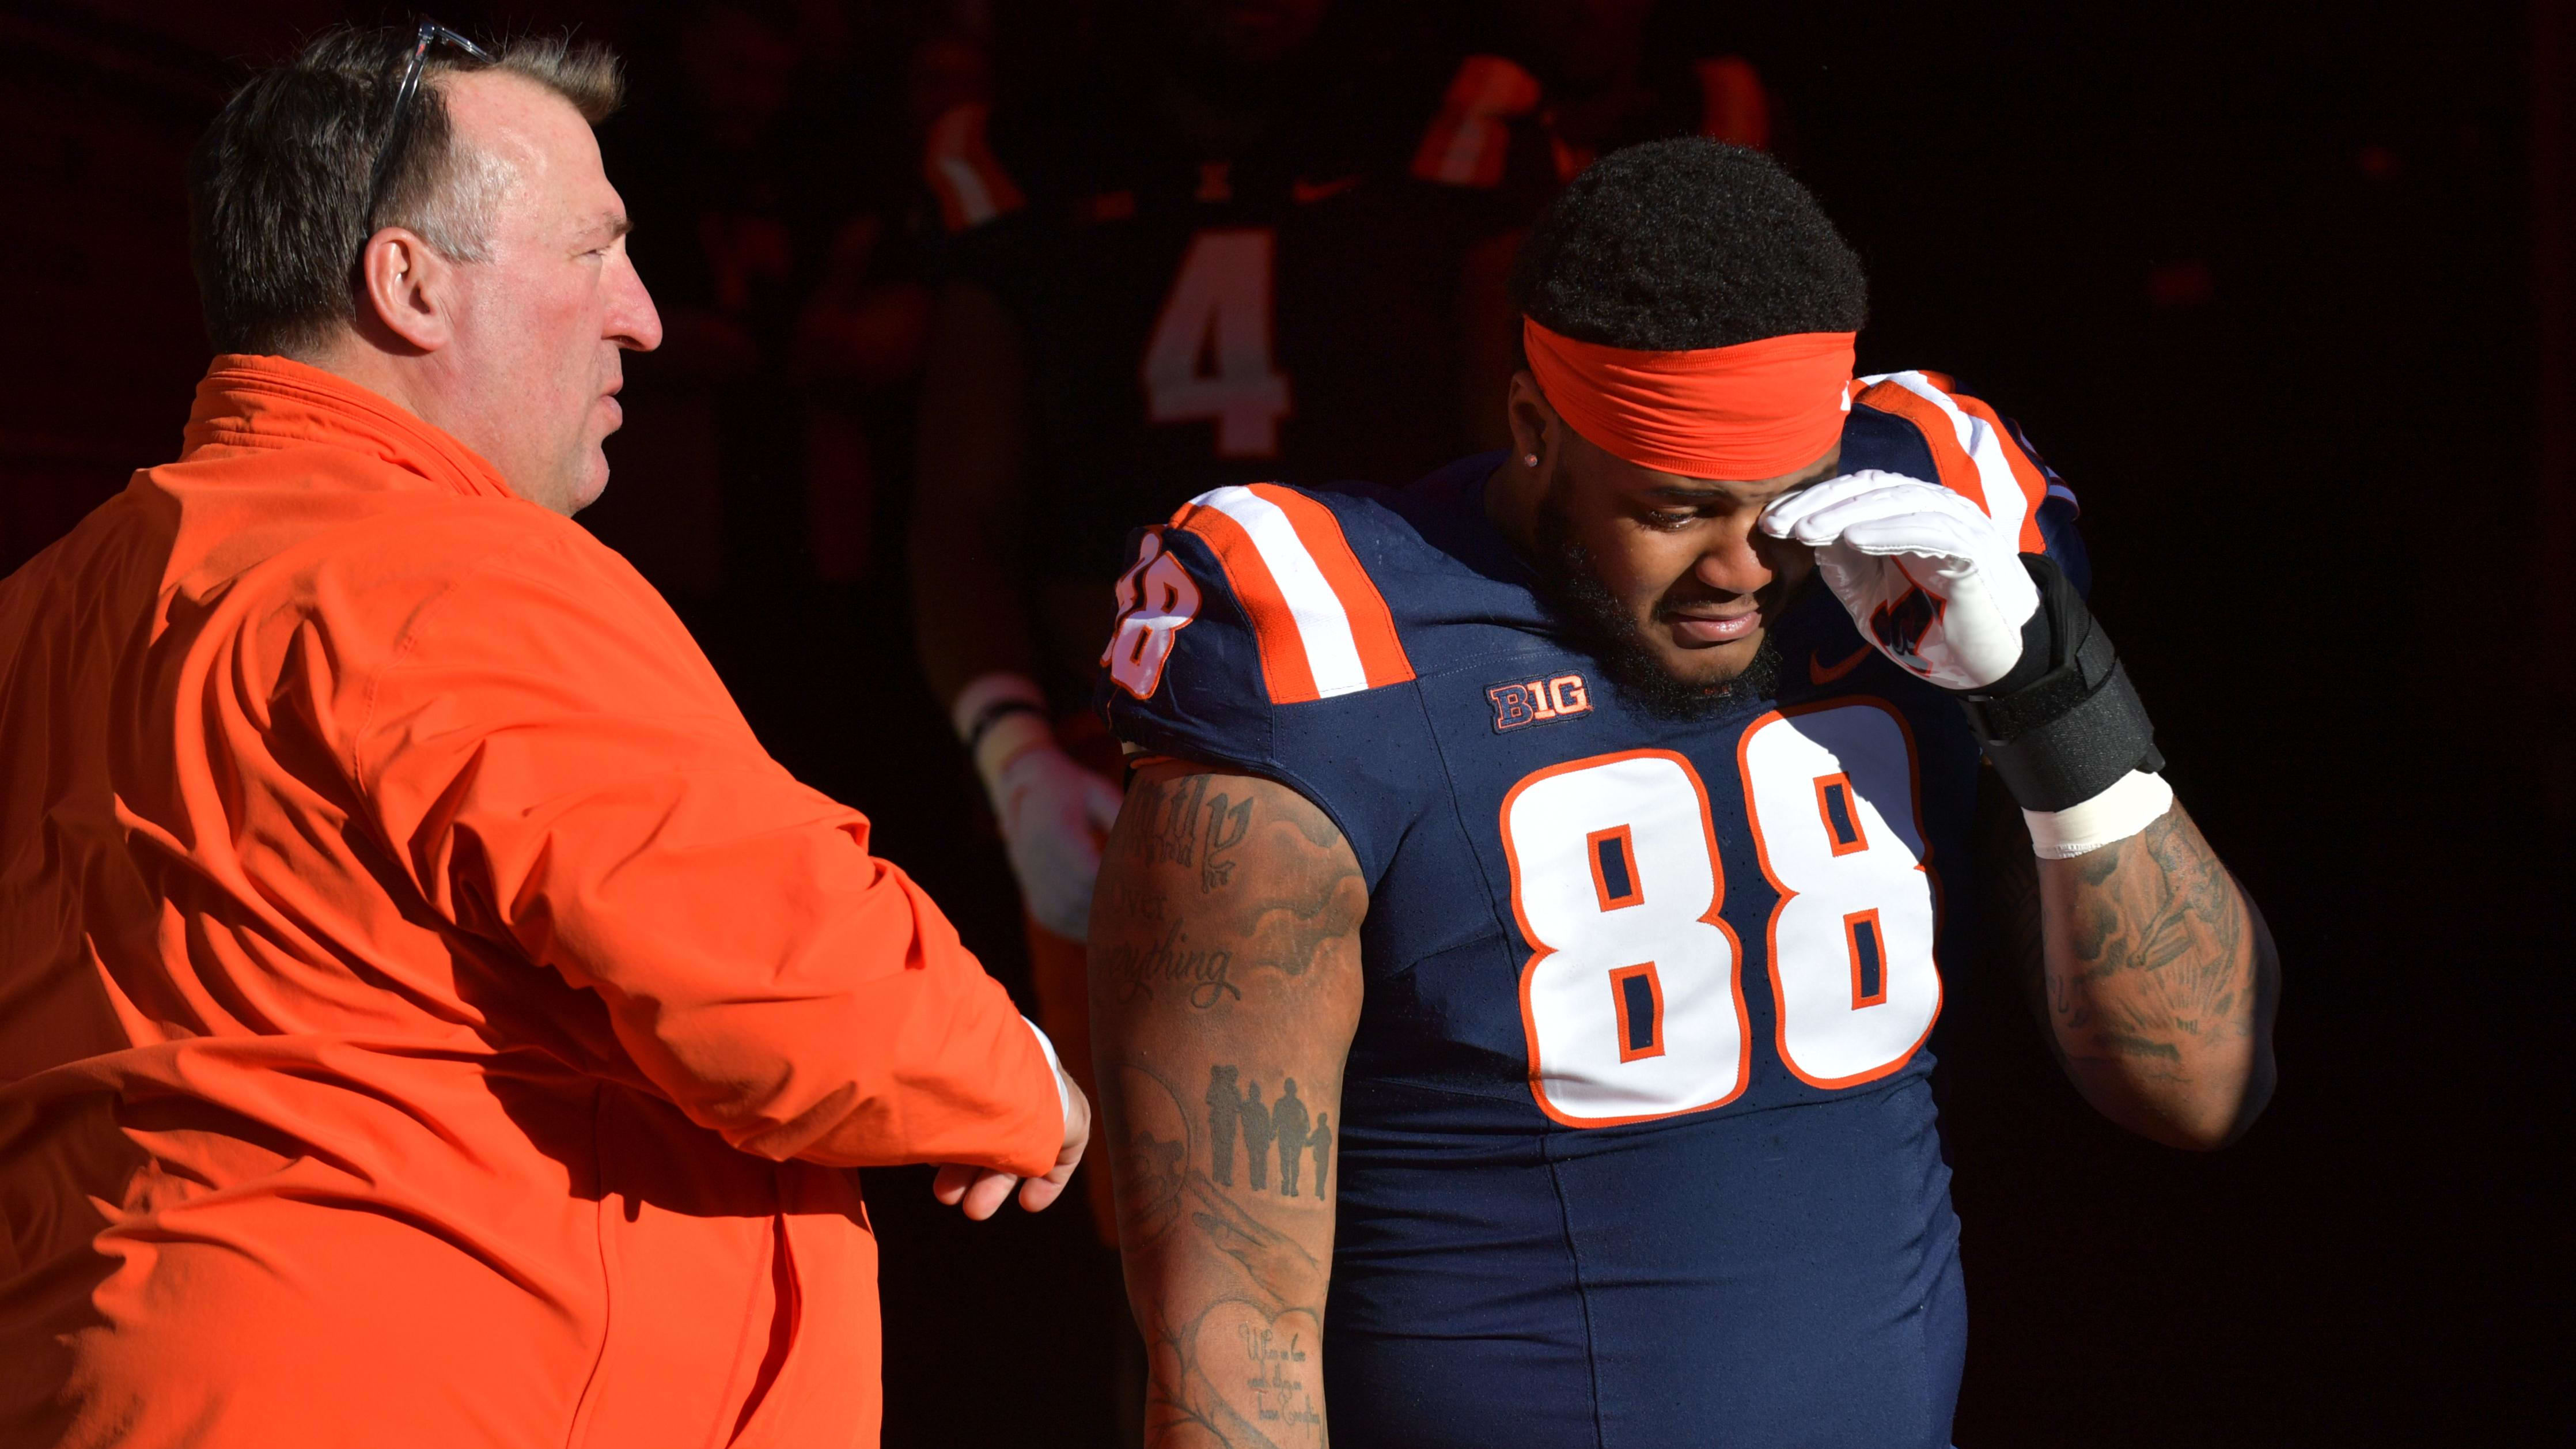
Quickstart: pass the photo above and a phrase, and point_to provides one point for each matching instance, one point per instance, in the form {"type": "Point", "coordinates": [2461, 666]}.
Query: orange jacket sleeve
{"type": "Point", "coordinates": [557, 767]}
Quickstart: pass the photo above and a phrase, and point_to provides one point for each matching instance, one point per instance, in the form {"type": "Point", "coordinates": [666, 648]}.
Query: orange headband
{"type": "Point", "coordinates": [1755, 410]}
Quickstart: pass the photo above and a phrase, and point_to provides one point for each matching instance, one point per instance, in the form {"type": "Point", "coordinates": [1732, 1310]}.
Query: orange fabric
{"type": "Point", "coordinates": [1745, 413]}
{"type": "Point", "coordinates": [427, 1017]}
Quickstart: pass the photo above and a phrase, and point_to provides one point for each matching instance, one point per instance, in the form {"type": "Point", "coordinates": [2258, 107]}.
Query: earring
{"type": "Point", "coordinates": [1529, 460]}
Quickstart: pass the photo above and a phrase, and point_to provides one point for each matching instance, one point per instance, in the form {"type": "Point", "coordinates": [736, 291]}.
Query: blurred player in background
{"type": "Point", "coordinates": [1258, 239]}
{"type": "Point", "coordinates": [1528, 916]}
{"type": "Point", "coordinates": [1203, 258]}
{"type": "Point", "coordinates": [773, 194]}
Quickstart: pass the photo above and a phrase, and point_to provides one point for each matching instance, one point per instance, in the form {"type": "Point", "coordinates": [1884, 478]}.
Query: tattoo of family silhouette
{"type": "Point", "coordinates": [1278, 1130]}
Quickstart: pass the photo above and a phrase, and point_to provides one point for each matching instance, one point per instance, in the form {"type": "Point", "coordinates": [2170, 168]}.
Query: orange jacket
{"type": "Point", "coordinates": [427, 1017]}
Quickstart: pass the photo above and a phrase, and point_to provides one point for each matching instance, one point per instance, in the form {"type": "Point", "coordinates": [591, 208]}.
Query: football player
{"type": "Point", "coordinates": [1514, 961]}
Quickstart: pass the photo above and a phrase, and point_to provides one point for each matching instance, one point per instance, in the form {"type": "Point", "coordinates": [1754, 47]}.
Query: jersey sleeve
{"type": "Point", "coordinates": [1250, 635]}
{"type": "Point", "coordinates": [1965, 445]}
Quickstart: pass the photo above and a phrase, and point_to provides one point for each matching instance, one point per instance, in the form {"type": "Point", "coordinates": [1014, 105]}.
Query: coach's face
{"type": "Point", "coordinates": [1675, 561]}
{"type": "Point", "coordinates": [539, 329]}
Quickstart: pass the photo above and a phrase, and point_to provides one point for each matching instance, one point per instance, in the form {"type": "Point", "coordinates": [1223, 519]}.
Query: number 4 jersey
{"type": "Point", "coordinates": [1638, 1146]}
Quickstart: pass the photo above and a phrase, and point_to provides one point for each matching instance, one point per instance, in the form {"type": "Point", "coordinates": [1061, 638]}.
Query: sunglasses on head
{"type": "Point", "coordinates": [430, 33]}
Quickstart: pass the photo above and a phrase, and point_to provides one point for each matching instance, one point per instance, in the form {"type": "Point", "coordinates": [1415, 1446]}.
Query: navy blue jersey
{"type": "Point", "coordinates": [1638, 1143]}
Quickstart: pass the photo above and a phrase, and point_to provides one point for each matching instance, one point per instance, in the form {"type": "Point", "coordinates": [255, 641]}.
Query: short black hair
{"type": "Point", "coordinates": [1676, 245]}
{"type": "Point", "coordinates": [277, 186]}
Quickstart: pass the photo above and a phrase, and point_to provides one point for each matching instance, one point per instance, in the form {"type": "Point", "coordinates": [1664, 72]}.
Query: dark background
{"type": "Point", "coordinates": [2282, 291]}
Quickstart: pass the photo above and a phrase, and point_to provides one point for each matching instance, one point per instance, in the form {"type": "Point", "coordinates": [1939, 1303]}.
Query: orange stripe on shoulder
{"type": "Point", "coordinates": [1372, 622]}
{"type": "Point", "coordinates": [2025, 471]}
{"type": "Point", "coordinates": [1284, 670]}
{"type": "Point", "coordinates": [1958, 470]}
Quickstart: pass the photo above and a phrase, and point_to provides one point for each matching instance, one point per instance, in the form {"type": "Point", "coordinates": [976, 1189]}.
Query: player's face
{"type": "Point", "coordinates": [1674, 563]}
{"type": "Point", "coordinates": [1695, 581]}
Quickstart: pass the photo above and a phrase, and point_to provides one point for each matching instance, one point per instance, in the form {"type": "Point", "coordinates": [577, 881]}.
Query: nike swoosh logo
{"type": "Point", "coordinates": [1302, 191]}
{"type": "Point", "coordinates": [1819, 672]}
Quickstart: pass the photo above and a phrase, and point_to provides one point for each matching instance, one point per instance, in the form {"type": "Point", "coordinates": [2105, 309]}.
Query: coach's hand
{"type": "Point", "coordinates": [1053, 814]}
{"type": "Point", "coordinates": [1928, 577]}
{"type": "Point", "coordinates": [979, 1191]}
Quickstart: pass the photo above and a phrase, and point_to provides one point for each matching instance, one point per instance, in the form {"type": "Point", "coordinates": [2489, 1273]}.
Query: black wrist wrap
{"type": "Point", "coordinates": [2065, 725]}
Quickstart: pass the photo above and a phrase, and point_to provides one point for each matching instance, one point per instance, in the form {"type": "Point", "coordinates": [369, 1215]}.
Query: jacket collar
{"type": "Point", "coordinates": [276, 402]}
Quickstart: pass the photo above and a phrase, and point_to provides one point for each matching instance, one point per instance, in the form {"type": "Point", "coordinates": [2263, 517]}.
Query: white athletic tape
{"type": "Point", "coordinates": [2133, 802]}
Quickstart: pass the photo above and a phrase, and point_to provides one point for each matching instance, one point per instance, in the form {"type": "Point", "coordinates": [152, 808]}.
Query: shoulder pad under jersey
{"type": "Point", "coordinates": [1920, 424]}
{"type": "Point", "coordinates": [1251, 635]}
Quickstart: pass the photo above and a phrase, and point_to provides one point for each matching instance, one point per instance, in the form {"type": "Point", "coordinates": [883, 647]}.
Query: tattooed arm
{"type": "Point", "coordinates": [2149, 967]}
{"type": "Point", "coordinates": [1225, 985]}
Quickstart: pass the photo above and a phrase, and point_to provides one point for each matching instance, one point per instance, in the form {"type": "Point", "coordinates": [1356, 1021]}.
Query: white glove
{"type": "Point", "coordinates": [1054, 813]}
{"type": "Point", "coordinates": [1928, 577]}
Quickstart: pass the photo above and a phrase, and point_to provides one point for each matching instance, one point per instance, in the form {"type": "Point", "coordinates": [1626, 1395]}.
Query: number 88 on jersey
{"type": "Point", "coordinates": [1633, 996]}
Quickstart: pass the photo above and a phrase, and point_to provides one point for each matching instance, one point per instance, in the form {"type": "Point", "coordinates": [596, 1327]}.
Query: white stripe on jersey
{"type": "Point", "coordinates": [2004, 503]}
{"type": "Point", "coordinates": [1332, 654]}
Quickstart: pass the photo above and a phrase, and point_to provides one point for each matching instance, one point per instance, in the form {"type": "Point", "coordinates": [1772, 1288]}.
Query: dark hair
{"type": "Point", "coordinates": [277, 187]}
{"type": "Point", "coordinates": [1675, 245]}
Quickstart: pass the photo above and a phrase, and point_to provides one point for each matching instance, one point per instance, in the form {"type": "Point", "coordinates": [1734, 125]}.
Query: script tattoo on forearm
{"type": "Point", "coordinates": [2163, 960]}
{"type": "Point", "coordinates": [1306, 896]}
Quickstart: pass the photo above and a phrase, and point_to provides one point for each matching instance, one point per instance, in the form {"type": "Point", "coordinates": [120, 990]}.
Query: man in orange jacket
{"type": "Point", "coordinates": [427, 1017]}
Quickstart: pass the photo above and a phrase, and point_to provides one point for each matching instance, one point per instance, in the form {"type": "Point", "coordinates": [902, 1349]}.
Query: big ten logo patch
{"type": "Point", "coordinates": [1536, 701]}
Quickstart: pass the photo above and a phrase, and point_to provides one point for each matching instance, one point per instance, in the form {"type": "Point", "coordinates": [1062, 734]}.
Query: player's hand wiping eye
{"type": "Point", "coordinates": [1928, 577]}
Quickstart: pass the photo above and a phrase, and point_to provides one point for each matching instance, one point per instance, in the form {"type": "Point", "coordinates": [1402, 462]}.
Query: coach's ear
{"type": "Point", "coordinates": [406, 292]}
